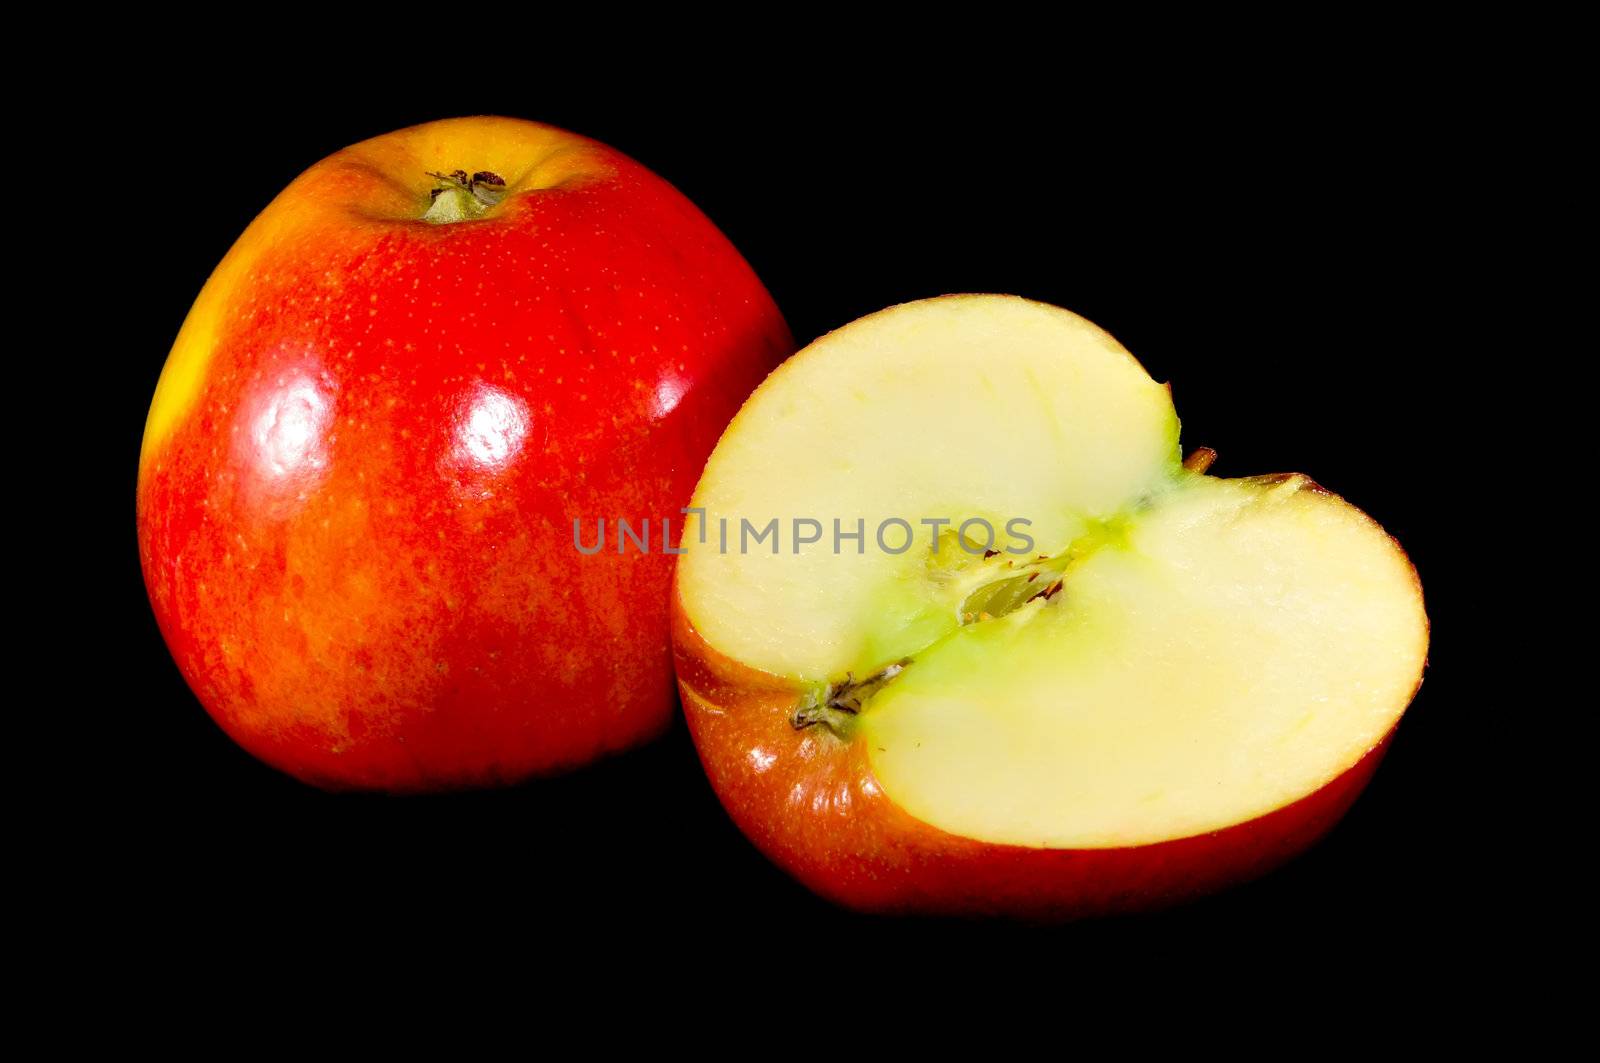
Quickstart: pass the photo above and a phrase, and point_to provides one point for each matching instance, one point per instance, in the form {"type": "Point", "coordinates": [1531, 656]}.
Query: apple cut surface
{"type": "Point", "coordinates": [990, 408]}
{"type": "Point", "coordinates": [1173, 656]}
{"type": "Point", "coordinates": [1243, 645]}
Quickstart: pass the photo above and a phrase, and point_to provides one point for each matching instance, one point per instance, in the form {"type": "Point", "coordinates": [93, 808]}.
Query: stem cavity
{"type": "Point", "coordinates": [461, 196]}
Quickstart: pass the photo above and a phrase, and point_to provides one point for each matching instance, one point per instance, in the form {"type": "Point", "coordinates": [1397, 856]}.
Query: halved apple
{"type": "Point", "coordinates": [957, 631]}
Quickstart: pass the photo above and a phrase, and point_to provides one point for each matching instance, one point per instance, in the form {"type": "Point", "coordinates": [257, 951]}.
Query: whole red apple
{"type": "Point", "coordinates": [430, 355]}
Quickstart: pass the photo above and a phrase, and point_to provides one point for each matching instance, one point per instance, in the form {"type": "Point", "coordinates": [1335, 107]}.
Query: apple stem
{"type": "Point", "coordinates": [1200, 459]}
{"type": "Point", "coordinates": [461, 196]}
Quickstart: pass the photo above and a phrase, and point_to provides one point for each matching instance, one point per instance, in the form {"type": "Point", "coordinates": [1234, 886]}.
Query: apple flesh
{"type": "Point", "coordinates": [1181, 682]}
{"type": "Point", "coordinates": [424, 360]}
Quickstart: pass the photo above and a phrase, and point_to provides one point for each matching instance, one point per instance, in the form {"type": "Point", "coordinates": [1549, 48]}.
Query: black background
{"type": "Point", "coordinates": [1273, 245]}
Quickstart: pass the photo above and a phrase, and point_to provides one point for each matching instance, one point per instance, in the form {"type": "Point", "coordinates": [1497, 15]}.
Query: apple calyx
{"type": "Point", "coordinates": [461, 196]}
{"type": "Point", "coordinates": [834, 706]}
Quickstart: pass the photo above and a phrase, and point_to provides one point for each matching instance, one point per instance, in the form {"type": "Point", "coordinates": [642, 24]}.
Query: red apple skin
{"type": "Point", "coordinates": [809, 802]}
{"type": "Point", "coordinates": [360, 473]}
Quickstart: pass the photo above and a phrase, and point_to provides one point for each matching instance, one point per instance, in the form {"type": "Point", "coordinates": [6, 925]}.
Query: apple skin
{"type": "Point", "coordinates": [363, 461]}
{"type": "Point", "coordinates": [810, 803]}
